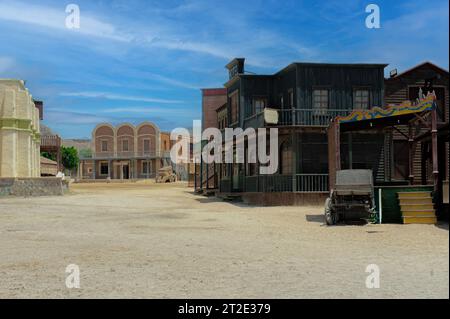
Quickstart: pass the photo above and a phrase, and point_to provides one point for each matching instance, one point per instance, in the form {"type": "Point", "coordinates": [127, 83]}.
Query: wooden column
{"type": "Point", "coordinates": [294, 150]}
{"type": "Point", "coordinates": [350, 150]}
{"type": "Point", "coordinates": [411, 153]}
{"type": "Point", "coordinates": [334, 156]}
{"type": "Point", "coordinates": [337, 144]}
{"type": "Point", "coordinates": [434, 149]}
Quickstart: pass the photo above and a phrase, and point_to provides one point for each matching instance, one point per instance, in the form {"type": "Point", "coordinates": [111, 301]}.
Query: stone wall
{"type": "Point", "coordinates": [40, 186]}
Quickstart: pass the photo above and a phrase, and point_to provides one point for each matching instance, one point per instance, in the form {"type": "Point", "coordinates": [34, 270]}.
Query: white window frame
{"type": "Point", "coordinates": [149, 167]}
{"type": "Point", "coordinates": [123, 144]}
{"type": "Point", "coordinates": [101, 146]}
{"type": "Point", "coordinates": [359, 99]}
{"type": "Point", "coordinates": [149, 145]}
{"type": "Point", "coordinates": [319, 99]}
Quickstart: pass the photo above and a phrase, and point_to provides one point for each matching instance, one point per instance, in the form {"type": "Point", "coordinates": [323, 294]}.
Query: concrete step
{"type": "Point", "coordinates": [415, 207]}
{"type": "Point", "coordinates": [416, 200]}
{"type": "Point", "coordinates": [402, 195]}
{"type": "Point", "coordinates": [419, 213]}
{"type": "Point", "coordinates": [419, 220]}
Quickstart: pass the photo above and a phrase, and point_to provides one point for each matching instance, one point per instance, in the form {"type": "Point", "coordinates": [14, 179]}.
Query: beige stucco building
{"type": "Point", "coordinates": [125, 151]}
{"type": "Point", "coordinates": [19, 131]}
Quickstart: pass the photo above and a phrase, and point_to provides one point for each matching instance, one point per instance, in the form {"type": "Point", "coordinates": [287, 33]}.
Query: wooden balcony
{"type": "Point", "coordinates": [297, 117]}
{"type": "Point", "coordinates": [130, 155]}
{"type": "Point", "coordinates": [50, 143]}
{"type": "Point", "coordinates": [309, 117]}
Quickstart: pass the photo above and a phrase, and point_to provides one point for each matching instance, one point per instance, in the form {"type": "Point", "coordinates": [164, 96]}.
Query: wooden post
{"type": "Point", "coordinates": [350, 150]}
{"type": "Point", "coordinates": [334, 157]}
{"type": "Point", "coordinates": [337, 144]}
{"type": "Point", "coordinates": [411, 153]}
{"type": "Point", "coordinates": [434, 149]}
{"type": "Point", "coordinates": [294, 160]}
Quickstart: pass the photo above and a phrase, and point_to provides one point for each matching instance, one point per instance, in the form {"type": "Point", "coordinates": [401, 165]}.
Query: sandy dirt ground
{"type": "Point", "coordinates": [145, 240]}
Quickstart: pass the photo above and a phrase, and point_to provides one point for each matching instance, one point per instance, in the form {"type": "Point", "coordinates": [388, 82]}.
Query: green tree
{"type": "Point", "coordinates": [69, 157]}
{"type": "Point", "coordinates": [50, 156]}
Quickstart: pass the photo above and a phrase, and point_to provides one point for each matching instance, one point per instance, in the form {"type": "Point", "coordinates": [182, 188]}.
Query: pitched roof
{"type": "Point", "coordinates": [432, 65]}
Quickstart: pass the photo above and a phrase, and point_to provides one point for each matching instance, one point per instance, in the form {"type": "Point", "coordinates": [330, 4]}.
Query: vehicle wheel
{"type": "Point", "coordinates": [330, 216]}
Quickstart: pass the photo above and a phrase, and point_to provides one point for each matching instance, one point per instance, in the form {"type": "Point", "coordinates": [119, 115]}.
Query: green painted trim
{"type": "Point", "coordinates": [13, 123]}
{"type": "Point", "coordinates": [20, 125]}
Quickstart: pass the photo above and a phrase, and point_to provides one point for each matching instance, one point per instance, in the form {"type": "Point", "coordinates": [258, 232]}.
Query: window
{"type": "Point", "coordinates": [234, 107]}
{"type": "Point", "coordinates": [146, 145]}
{"type": "Point", "coordinates": [146, 167]}
{"type": "Point", "coordinates": [320, 99]}
{"type": "Point", "coordinates": [360, 99]}
{"type": "Point", "coordinates": [104, 146]}
{"type": "Point", "coordinates": [125, 145]}
{"type": "Point", "coordinates": [104, 168]}
{"type": "Point", "coordinates": [259, 104]}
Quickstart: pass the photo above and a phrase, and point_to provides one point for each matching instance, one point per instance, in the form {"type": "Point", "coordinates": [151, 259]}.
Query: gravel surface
{"type": "Point", "coordinates": [146, 240]}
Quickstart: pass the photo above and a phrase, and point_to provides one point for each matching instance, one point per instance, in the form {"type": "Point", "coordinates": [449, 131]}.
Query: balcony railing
{"type": "Point", "coordinates": [309, 117]}
{"type": "Point", "coordinates": [129, 154]}
{"type": "Point", "coordinates": [312, 182]}
{"type": "Point", "coordinates": [51, 141]}
{"type": "Point", "coordinates": [309, 183]}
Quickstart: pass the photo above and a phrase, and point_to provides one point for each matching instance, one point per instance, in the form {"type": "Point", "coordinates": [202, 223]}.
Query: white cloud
{"type": "Point", "coordinates": [112, 96]}
{"type": "Point", "coordinates": [73, 118]}
{"type": "Point", "coordinates": [158, 32]}
{"type": "Point", "coordinates": [55, 19]}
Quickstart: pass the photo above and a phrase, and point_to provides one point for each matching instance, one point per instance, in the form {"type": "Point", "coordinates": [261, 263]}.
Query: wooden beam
{"type": "Point", "coordinates": [395, 128]}
{"type": "Point", "coordinates": [421, 119]}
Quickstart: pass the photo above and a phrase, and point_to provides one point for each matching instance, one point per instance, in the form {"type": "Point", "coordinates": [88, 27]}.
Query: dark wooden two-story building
{"type": "Point", "coordinates": [306, 96]}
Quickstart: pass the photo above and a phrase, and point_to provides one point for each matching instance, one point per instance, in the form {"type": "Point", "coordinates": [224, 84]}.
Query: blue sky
{"type": "Point", "coordinates": [135, 60]}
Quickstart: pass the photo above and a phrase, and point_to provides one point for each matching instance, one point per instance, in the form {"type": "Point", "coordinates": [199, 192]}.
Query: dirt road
{"type": "Point", "coordinates": [145, 240]}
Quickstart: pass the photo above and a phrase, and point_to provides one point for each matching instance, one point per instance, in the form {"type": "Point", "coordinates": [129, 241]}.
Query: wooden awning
{"type": "Point", "coordinates": [378, 118]}
{"type": "Point", "coordinates": [382, 117]}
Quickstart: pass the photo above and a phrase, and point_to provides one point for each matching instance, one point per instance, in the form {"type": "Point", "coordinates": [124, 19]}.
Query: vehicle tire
{"type": "Point", "coordinates": [330, 216]}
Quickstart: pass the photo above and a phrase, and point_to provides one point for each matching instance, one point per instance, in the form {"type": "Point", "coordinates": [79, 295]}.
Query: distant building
{"type": "Point", "coordinates": [204, 176]}
{"type": "Point", "coordinates": [125, 152]}
{"type": "Point", "coordinates": [19, 131]}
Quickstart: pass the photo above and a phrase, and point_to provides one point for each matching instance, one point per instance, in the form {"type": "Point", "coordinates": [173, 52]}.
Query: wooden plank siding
{"type": "Point", "coordinates": [291, 91]}
{"type": "Point", "coordinates": [397, 91]}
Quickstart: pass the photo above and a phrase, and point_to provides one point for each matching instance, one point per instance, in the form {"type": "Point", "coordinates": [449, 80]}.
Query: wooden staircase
{"type": "Point", "coordinates": [417, 207]}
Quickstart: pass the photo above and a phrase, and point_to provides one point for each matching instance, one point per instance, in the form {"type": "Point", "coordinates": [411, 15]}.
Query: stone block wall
{"type": "Point", "coordinates": [40, 186]}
